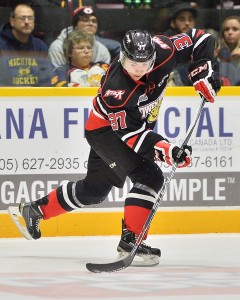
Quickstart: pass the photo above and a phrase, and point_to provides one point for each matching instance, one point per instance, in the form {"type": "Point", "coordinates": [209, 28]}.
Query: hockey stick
{"type": "Point", "coordinates": [126, 262]}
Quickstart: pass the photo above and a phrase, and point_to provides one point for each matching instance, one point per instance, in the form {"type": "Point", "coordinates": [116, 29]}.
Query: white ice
{"type": "Point", "coordinates": [192, 267]}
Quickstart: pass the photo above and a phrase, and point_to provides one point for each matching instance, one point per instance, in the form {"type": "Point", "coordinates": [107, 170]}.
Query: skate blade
{"type": "Point", "coordinates": [141, 260]}
{"type": "Point", "coordinates": [15, 215]}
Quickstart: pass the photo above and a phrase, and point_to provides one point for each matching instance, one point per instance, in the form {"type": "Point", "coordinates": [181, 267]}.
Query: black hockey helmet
{"type": "Point", "coordinates": [137, 45]}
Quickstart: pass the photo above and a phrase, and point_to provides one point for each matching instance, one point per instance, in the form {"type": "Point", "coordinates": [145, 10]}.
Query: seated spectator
{"type": "Point", "coordinates": [85, 20]}
{"type": "Point", "coordinates": [81, 20]}
{"type": "Point", "coordinates": [230, 44]}
{"type": "Point", "coordinates": [78, 51]}
{"type": "Point", "coordinates": [182, 18]}
{"type": "Point", "coordinates": [229, 53]}
{"type": "Point", "coordinates": [24, 58]}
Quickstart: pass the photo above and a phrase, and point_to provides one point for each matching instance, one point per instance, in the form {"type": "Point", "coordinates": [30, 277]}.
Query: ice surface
{"type": "Point", "coordinates": [192, 267]}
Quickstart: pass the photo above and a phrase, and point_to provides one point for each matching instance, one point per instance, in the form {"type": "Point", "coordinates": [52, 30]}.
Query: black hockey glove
{"type": "Point", "coordinates": [169, 153]}
{"type": "Point", "coordinates": [201, 75]}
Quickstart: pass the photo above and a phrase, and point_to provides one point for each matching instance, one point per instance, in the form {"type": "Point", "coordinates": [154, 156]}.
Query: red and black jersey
{"type": "Point", "coordinates": [131, 107]}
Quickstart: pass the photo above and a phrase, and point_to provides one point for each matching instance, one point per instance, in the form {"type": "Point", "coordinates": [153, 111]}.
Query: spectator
{"type": "Point", "coordinates": [78, 50]}
{"type": "Point", "coordinates": [230, 45]}
{"type": "Point", "coordinates": [24, 58]}
{"type": "Point", "coordinates": [81, 20]}
{"type": "Point", "coordinates": [229, 53]}
{"type": "Point", "coordinates": [182, 19]}
{"type": "Point", "coordinates": [84, 19]}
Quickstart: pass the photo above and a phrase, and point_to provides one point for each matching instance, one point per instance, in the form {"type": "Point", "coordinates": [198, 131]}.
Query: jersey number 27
{"type": "Point", "coordinates": [117, 120]}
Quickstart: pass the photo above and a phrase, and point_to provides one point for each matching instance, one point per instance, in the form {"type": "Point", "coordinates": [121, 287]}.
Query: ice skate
{"type": "Point", "coordinates": [145, 256]}
{"type": "Point", "coordinates": [32, 216]}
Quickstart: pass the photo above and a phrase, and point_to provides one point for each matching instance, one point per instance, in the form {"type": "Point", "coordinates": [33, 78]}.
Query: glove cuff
{"type": "Point", "coordinates": [201, 69]}
{"type": "Point", "coordinates": [196, 64]}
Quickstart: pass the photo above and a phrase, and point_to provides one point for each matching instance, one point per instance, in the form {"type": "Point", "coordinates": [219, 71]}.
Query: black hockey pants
{"type": "Point", "coordinates": [110, 162]}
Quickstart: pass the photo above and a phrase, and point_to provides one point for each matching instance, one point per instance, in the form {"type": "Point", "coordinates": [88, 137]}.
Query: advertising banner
{"type": "Point", "coordinates": [42, 145]}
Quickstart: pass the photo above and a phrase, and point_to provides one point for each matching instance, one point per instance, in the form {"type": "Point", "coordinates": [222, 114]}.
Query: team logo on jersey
{"type": "Point", "coordinates": [117, 94]}
{"type": "Point", "coordinates": [142, 98]}
{"type": "Point", "coordinates": [151, 110]}
{"type": "Point", "coordinates": [154, 112]}
{"type": "Point", "coordinates": [158, 41]}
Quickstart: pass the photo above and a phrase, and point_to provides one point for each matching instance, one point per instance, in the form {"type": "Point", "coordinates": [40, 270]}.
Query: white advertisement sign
{"type": "Point", "coordinates": [42, 144]}
{"type": "Point", "coordinates": [43, 136]}
{"type": "Point", "coordinates": [216, 138]}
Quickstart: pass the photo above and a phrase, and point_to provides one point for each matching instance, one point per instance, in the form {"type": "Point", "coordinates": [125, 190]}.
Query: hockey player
{"type": "Point", "coordinates": [119, 131]}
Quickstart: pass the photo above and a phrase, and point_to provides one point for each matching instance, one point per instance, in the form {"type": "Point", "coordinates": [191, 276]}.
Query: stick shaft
{"type": "Point", "coordinates": [166, 183]}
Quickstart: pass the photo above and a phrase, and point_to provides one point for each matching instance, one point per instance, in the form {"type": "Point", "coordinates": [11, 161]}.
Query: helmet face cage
{"type": "Point", "coordinates": [138, 46]}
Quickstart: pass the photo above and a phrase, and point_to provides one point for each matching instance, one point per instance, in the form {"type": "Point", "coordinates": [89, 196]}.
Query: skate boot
{"type": "Point", "coordinates": [148, 256]}
{"type": "Point", "coordinates": [32, 216]}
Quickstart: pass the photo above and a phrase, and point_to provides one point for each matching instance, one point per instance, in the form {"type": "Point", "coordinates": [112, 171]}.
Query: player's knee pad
{"type": "Point", "coordinates": [93, 195]}
{"type": "Point", "coordinates": [149, 174]}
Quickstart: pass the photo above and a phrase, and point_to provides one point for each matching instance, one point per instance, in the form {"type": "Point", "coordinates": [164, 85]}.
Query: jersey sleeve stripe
{"type": "Point", "coordinates": [100, 106]}
{"type": "Point", "coordinates": [193, 32]}
{"type": "Point", "coordinates": [97, 114]}
{"type": "Point", "coordinates": [131, 134]}
{"type": "Point", "coordinates": [202, 38]}
{"type": "Point", "coordinates": [139, 143]}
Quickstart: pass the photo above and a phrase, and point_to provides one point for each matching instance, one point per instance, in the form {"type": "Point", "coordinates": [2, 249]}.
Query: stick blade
{"type": "Point", "coordinates": [110, 267]}
{"type": "Point", "coordinates": [15, 214]}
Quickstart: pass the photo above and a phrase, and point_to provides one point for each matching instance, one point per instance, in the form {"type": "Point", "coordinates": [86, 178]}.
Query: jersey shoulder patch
{"type": "Point", "coordinates": [159, 41]}
{"type": "Point", "coordinates": [117, 94]}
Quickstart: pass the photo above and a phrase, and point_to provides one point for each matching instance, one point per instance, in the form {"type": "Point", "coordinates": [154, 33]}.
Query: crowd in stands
{"type": "Point", "coordinates": [79, 56]}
